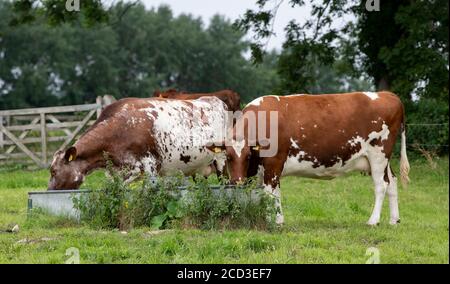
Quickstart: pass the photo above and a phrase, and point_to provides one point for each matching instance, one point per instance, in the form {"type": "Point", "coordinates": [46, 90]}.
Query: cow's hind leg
{"type": "Point", "coordinates": [378, 165]}
{"type": "Point", "coordinates": [393, 196]}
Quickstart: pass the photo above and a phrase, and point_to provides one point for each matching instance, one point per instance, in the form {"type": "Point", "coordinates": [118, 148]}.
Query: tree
{"type": "Point", "coordinates": [403, 47]}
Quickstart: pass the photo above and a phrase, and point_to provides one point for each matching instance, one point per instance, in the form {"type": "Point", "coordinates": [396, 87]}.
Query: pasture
{"type": "Point", "coordinates": [324, 223]}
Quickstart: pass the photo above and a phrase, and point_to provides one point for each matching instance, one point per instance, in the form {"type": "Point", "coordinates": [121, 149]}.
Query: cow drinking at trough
{"type": "Point", "coordinates": [321, 136]}
{"type": "Point", "coordinates": [230, 98]}
{"type": "Point", "coordinates": [155, 135]}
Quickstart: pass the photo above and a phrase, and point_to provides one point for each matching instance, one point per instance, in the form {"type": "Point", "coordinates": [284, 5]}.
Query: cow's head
{"type": "Point", "coordinates": [169, 94]}
{"type": "Point", "coordinates": [242, 159]}
{"type": "Point", "coordinates": [65, 171]}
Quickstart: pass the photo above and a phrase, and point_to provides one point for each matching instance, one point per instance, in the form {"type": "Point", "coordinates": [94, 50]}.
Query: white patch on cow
{"type": "Point", "coordinates": [260, 175]}
{"type": "Point", "coordinates": [149, 163]}
{"type": "Point", "coordinates": [294, 144]}
{"type": "Point", "coordinates": [220, 159]}
{"type": "Point", "coordinates": [372, 95]}
{"type": "Point", "coordinates": [295, 95]}
{"type": "Point", "coordinates": [137, 168]}
{"type": "Point", "coordinates": [238, 146]}
{"type": "Point", "coordinates": [383, 134]}
{"type": "Point", "coordinates": [54, 160]}
{"type": "Point", "coordinates": [181, 132]}
{"type": "Point", "coordinates": [276, 97]}
{"type": "Point", "coordinates": [78, 176]}
{"type": "Point", "coordinates": [256, 102]}
{"type": "Point", "coordinates": [132, 121]}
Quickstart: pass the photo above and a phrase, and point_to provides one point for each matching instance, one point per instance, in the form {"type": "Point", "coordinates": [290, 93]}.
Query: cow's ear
{"type": "Point", "coordinates": [156, 94]}
{"type": "Point", "coordinates": [261, 145]}
{"type": "Point", "coordinates": [71, 154]}
{"type": "Point", "coordinates": [216, 149]}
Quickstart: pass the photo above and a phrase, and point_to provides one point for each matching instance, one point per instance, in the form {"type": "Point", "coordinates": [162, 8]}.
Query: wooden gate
{"type": "Point", "coordinates": [33, 135]}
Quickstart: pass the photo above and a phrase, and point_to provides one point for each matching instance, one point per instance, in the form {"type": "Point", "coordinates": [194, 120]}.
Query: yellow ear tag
{"type": "Point", "coordinates": [256, 148]}
{"type": "Point", "coordinates": [217, 150]}
{"type": "Point", "coordinates": [70, 158]}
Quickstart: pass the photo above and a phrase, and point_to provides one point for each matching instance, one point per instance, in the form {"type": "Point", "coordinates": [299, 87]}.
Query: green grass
{"type": "Point", "coordinates": [325, 223]}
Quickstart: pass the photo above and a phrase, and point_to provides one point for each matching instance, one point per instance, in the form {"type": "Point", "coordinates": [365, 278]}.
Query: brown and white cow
{"type": "Point", "coordinates": [321, 136]}
{"type": "Point", "coordinates": [230, 98]}
{"type": "Point", "coordinates": [155, 135]}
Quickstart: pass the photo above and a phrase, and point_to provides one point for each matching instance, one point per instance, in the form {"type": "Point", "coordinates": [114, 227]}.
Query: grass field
{"type": "Point", "coordinates": [325, 223]}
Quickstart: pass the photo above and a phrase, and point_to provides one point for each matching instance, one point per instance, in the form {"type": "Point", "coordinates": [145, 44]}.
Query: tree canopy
{"type": "Point", "coordinates": [132, 55]}
{"type": "Point", "coordinates": [403, 47]}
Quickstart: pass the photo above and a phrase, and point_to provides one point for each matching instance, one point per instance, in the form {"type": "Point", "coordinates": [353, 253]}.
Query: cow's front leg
{"type": "Point", "coordinates": [271, 185]}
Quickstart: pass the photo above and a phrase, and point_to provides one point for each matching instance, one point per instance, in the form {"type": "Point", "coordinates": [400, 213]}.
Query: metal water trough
{"type": "Point", "coordinates": [60, 202]}
{"type": "Point", "coordinates": [55, 202]}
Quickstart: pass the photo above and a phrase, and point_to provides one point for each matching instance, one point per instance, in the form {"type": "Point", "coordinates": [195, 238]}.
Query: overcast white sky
{"type": "Point", "coordinates": [233, 9]}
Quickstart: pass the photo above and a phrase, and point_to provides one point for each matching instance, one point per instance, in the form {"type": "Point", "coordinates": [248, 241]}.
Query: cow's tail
{"type": "Point", "coordinates": [404, 164]}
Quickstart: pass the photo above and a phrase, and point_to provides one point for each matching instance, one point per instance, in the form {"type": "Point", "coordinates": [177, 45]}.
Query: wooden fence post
{"type": "Point", "coordinates": [43, 139]}
{"type": "Point", "coordinates": [2, 139]}
{"type": "Point", "coordinates": [98, 101]}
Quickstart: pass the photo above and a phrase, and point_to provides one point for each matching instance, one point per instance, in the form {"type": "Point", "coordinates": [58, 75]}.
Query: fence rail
{"type": "Point", "coordinates": [27, 134]}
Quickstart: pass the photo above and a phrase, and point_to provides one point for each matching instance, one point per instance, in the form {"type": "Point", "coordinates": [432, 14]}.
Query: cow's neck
{"type": "Point", "coordinates": [91, 150]}
{"type": "Point", "coordinates": [87, 165]}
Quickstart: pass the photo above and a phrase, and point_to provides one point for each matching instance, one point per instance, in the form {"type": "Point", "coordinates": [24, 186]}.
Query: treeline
{"type": "Point", "coordinates": [134, 54]}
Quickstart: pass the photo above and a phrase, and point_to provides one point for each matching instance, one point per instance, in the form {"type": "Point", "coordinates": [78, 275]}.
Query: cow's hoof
{"type": "Point", "coordinates": [279, 226]}
{"type": "Point", "coordinates": [394, 222]}
{"type": "Point", "coordinates": [373, 224]}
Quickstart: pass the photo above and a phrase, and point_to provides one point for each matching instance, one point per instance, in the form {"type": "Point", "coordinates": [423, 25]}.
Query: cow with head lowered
{"type": "Point", "coordinates": [156, 136]}
{"type": "Point", "coordinates": [320, 136]}
{"type": "Point", "coordinates": [230, 98]}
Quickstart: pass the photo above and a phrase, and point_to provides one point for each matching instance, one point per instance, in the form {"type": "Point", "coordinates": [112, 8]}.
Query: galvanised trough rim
{"type": "Point", "coordinates": [72, 212]}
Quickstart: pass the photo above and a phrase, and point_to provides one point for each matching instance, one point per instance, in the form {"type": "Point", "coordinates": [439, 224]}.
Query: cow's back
{"type": "Point", "coordinates": [325, 131]}
{"type": "Point", "coordinates": [231, 99]}
{"type": "Point", "coordinates": [156, 135]}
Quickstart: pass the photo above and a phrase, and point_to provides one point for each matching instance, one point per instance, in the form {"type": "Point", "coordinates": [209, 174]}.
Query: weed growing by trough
{"type": "Point", "coordinates": [174, 202]}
